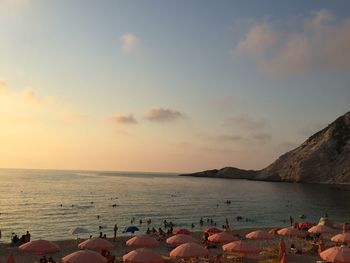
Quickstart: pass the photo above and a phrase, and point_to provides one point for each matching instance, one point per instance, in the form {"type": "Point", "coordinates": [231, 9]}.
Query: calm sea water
{"type": "Point", "coordinates": [31, 200]}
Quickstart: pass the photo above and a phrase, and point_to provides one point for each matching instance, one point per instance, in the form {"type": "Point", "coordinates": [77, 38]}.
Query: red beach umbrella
{"type": "Point", "coordinates": [142, 241]}
{"type": "Point", "coordinates": [241, 247]}
{"type": "Point", "coordinates": [223, 237]}
{"type": "Point", "coordinates": [281, 249]}
{"type": "Point", "coordinates": [320, 229]}
{"type": "Point", "coordinates": [39, 247]}
{"type": "Point", "coordinates": [341, 238]}
{"type": "Point", "coordinates": [96, 243]}
{"type": "Point", "coordinates": [189, 250]}
{"type": "Point", "coordinates": [11, 259]}
{"type": "Point", "coordinates": [142, 255]}
{"type": "Point", "coordinates": [212, 230]}
{"type": "Point", "coordinates": [180, 230]}
{"type": "Point", "coordinates": [260, 235]}
{"type": "Point", "coordinates": [180, 239]}
{"type": "Point", "coordinates": [84, 256]}
{"type": "Point", "coordinates": [336, 255]}
{"type": "Point", "coordinates": [290, 231]}
{"type": "Point", "coordinates": [284, 258]}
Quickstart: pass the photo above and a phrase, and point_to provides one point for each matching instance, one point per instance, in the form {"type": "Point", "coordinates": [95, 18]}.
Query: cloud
{"type": "Point", "coordinates": [163, 115]}
{"type": "Point", "coordinates": [247, 122]}
{"type": "Point", "coordinates": [122, 119]}
{"type": "Point", "coordinates": [225, 137]}
{"type": "Point", "coordinates": [130, 42]}
{"type": "Point", "coordinates": [323, 42]}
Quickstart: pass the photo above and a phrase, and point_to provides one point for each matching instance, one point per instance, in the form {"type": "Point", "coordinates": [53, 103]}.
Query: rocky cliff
{"type": "Point", "coordinates": [323, 158]}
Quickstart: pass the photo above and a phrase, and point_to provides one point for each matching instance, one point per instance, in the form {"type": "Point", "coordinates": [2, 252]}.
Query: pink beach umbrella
{"type": "Point", "coordinates": [241, 247]}
{"type": "Point", "coordinates": [11, 259]}
{"type": "Point", "coordinates": [260, 235]}
{"type": "Point", "coordinates": [39, 247]}
{"type": "Point", "coordinates": [96, 243]}
{"type": "Point", "coordinates": [320, 229]}
{"type": "Point", "coordinates": [223, 237]}
{"type": "Point", "coordinates": [341, 238]}
{"type": "Point", "coordinates": [180, 239]}
{"type": "Point", "coordinates": [179, 230]}
{"type": "Point", "coordinates": [142, 241]}
{"type": "Point", "coordinates": [212, 230]}
{"type": "Point", "coordinates": [84, 256]}
{"type": "Point", "coordinates": [336, 255]}
{"type": "Point", "coordinates": [142, 255]}
{"type": "Point", "coordinates": [290, 231]}
{"type": "Point", "coordinates": [189, 250]}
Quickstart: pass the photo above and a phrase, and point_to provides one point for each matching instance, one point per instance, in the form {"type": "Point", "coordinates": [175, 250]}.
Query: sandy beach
{"type": "Point", "coordinates": [69, 246]}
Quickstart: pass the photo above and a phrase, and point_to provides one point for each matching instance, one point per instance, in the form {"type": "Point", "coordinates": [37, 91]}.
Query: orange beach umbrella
{"type": "Point", "coordinates": [223, 237]}
{"type": "Point", "coordinates": [96, 243]}
{"type": "Point", "coordinates": [320, 229]}
{"type": "Point", "coordinates": [180, 239]}
{"type": "Point", "coordinates": [284, 258]}
{"type": "Point", "coordinates": [142, 255]}
{"type": "Point", "coordinates": [189, 250]}
{"type": "Point", "coordinates": [179, 230]}
{"type": "Point", "coordinates": [142, 241]}
{"type": "Point", "coordinates": [39, 247]}
{"type": "Point", "coordinates": [336, 255]}
{"type": "Point", "coordinates": [281, 249]}
{"type": "Point", "coordinates": [241, 247]}
{"type": "Point", "coordinates": [212, 230]}
{"type": "Point", "coordinates": [260, 235]}
{"type": "Point", "coordinates": [84, 256]}
{"type": "Point", "coordinates": [290, 231]}
{"type": "Point", "coordinates": [341, 238]}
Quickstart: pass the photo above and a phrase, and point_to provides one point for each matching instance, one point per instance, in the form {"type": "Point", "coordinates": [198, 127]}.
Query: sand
{"type": "Point", "coordinates": [69, 246]}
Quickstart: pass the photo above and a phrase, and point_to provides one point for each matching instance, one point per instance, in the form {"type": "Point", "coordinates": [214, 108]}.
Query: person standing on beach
{"type": "Point", "coordinates": [115, 232]}
{"type": "Point", "coordinates": [291, 220]}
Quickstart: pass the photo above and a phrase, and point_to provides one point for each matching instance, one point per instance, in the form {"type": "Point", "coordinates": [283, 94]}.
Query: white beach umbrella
{"type": "Point", "coordinates": [78, 230]}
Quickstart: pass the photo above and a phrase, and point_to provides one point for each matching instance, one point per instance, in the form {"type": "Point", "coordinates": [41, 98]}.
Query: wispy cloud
{"type": "Point", "coordinates": [247, 122]}
{"type": "Point", "coordinates": [163, 115]}
{"type": "Point", "coordinates": [122, 119]}
{"type": "Point", "coordinates": [130, 42]}
{"type": "Point", "coordinates": [322, 43]}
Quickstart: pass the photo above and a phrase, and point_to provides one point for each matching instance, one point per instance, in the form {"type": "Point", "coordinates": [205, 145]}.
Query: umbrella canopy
{"type": "Point", "coordinates": [212, 230]}
{"type": "Point", "coordinates": [39, 247]}
{"type": "Point", "coordinates": [284, 258]}
{"type": "Point", "coordinates": [96, 243]}
{"type": "Point", "coordinates": [281, 249]}
{"type": "Point", "coordinates": [320, 229]}
{"type": "Point", "coordinates": [142, 255]}
{"type": "Point", "coordinates": [189, 250]}
{"type": "Point", "coordinates": [131, 229]}
{"type": "Point", "coordinates": [84, 256]}
{"type": "Point", "coordinates": [290, 231]}
{"type": "Point", "coordinates": [78, 230]}
{"type": "Point", "coordinates": [341, 238]}
{"type": "Point", "coordinates": [223, 237]}
{"type": "Point", "coordinates": [260, 235]}
{"type": "Point", "coordinates": [11, 259]}
{"type": "Point", "coordinates": [180, 239]}
{"type": "Point", "coordinates": [241, 247]}
{"type": "Point", "coordinates": [336, 255]}
{"type": "Point", "coordinates": [179, 230]}
{"type": "Point", "coordinates": [142, 241]}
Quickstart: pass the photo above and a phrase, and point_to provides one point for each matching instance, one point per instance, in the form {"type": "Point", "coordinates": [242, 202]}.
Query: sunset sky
{"type": "Point", "coordinates": [176, 86]}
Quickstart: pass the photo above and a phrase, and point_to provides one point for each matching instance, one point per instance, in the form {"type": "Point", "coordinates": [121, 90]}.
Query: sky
{"type": "Point", "coordinates": [167, 86]}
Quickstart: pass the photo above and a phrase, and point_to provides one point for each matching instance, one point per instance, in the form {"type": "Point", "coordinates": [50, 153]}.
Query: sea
{"type": "Point", "coordinates": [49, 203]}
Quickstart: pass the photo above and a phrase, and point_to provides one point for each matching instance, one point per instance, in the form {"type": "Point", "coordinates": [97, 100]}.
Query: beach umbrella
{"type": "Point", "coordinates": [131, 229]}
{"type": "Point", "coordinates": [11, 259]}
{"type": "Point", "coordinates": [84, 256]}
{"type": "Point", "coordinates": [281, 249]}
{"type": "Point", "coordinates": [260, 235]}
{"type": "Point", "coordinates": [336, 255]}
{"type": "Point", "coordinates": [142, 241]}
{"type": "Point", "coordinates": [189, 250]}
{"type": "Point", "coordinates": [223, 237]}
{"type": "Point", "coordinates": [179, 230]}
{"type": "Point", "coordinates": [96, 243]}
{"type": "Point", "coordinates": [284, 258]}
{"type": "Point", "coordinates": [241, 247]}
{"type": "Point", "coordinates": [78, 230]}
{"type": "Point", "coordinates": [320, 229]}
{"type": "Point", "coordinates": [180, 239]}
{"type": "Point", "coordinates": [142, 255]}
{"type": "Point", "coordinates": [39, 247]}
{"type": "Point", "coordinates": [290, 231]}
{"type": "Point", "coordinates": [212, 230]}
{"type": "Point", "coordinates": [341, 238]}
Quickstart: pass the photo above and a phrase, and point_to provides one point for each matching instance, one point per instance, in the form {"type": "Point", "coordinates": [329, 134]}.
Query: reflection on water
{"type": "Point", "coordinates": [32, 199]}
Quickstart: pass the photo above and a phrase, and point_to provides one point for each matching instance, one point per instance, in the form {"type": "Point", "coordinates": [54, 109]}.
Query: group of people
{"type": "Point", "coordinates": [43, 259]}
{"type": "Point", "coordinates": [16, 241]}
